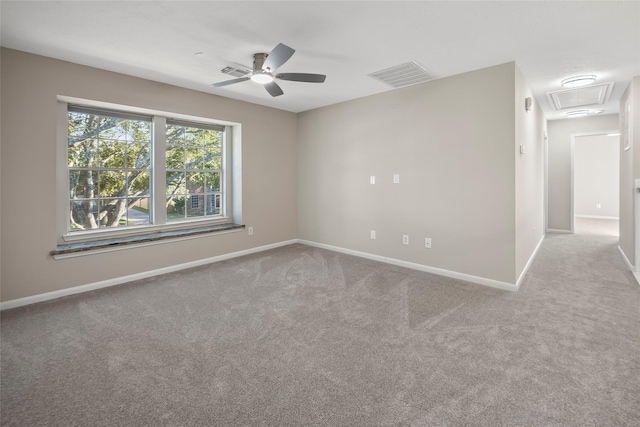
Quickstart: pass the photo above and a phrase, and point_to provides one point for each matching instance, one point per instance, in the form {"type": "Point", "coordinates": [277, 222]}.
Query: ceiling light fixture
{"type": "Point", "coordinates": [578, 81]}
{"type": "Point", "coordinates": [578, 113]}
{"type": "Point", "coordinates": [262, 78]}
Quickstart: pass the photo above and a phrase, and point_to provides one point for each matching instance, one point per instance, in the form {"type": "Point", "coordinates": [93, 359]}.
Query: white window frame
{"type": "Point", "coordinates": [231, 178]}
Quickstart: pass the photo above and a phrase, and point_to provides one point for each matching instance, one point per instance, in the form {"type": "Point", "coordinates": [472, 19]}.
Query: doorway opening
{"type": "Point", "coordinates": [595, 184]}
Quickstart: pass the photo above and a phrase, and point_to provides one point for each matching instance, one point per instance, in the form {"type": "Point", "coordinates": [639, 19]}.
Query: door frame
{"type": "Point", "coordinates": [573, 152]}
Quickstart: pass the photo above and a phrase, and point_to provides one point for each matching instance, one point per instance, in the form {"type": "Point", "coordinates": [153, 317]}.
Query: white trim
{"type": "Point", "coordinates": [414, 266]}
{"type": "Point", "coordinates": [626, 260]}
{"type": "Point", "coordinates": [573, 153]}
{"type": "Point", "coordinates": [556, 231]}
{"type": "Point", "coordinates": [526, 267]}
{"type": "Point", "coordinates": [572, 211]}
{"type": "Point", "coordinates": [158, 164]}
{"type": "Point", "coordinates": [143, 275]}
{"type": "Point", "coordinates": [125, 279]}
{"type": "Point", "coordinates": [597, 217]}
{"type": "Point", "coordinates": [636, 196]}
{"type": "Point", "coordinates": [546, 176]}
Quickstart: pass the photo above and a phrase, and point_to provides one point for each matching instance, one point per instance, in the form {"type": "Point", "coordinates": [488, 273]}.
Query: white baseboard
{"type": "Point", "coordinates": [626, 260]}
{"type": "Point", "coordinates": [526, 267]}
{"type": "Point", "coordinates": [597, 217]}
{"type": "Point", "coordinates": [414, 266]}
{"type": "Point", "coordinates": [636, 274]}
{"type": "Point", "coordinates": [130, 278]}
{"type": "Point", "coordinates": [145, 274]}
{"type": "Point", "coordinates": [556, 231]}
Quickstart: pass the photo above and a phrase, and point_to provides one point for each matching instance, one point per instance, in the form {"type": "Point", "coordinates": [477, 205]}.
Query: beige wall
{"type": "Point", "coordinates": [452, 143]}
{"type": "Point", "coordinates": [529, 191]}
{"type": "Point", "coordinates": [559, 163]}
{"type": "Point", "coordinates": [629, 172]}
{"type": "Point", "coordinates": [30, 85]}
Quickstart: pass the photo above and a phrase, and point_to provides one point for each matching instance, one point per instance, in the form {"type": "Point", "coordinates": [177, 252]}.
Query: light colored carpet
{"type": "Point", "coordinates": [302, 336]}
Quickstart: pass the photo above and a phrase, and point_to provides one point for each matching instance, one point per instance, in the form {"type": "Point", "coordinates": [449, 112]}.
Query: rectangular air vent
{"type": "Point", "coordinates": [236, 72]}
{"type": "Point", "coordinates": [402, 75]}
{"type": "Point", "coordinates": [596, 94]}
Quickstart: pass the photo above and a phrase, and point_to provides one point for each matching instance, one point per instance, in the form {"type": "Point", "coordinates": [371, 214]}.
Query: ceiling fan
{"type": "Point", "coordinates": [264, 67]}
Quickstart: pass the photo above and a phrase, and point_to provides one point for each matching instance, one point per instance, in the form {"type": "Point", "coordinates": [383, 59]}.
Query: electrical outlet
{"type": "Point", "coordinates": [598, 205]}
{"type": "Point", "coordinates": [427, 242]}
{"type": "Point", "coordinates": [405, 239]}
{"type": "Point", "coordinates": [396, 179]}
{"type": "Point", "coordinates": [250, 231]}
{"type": "Point", "coordinates": [372, 179]}
{"type": "Point", "coordinates": [372, 234]}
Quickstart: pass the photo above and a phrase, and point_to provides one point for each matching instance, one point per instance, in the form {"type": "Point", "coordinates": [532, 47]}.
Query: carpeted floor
{"type": "Point", "coordinates": [598, 226]}
{"type": "Point", "coordinates": [300, 336]}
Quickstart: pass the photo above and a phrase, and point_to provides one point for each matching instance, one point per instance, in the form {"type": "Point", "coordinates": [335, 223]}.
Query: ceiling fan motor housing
{"type": "Point", "coordinates": [258, 61]}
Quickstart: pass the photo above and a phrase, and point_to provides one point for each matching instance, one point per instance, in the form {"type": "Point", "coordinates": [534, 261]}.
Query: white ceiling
{"type": "Point", "coordinates": [549, 40]}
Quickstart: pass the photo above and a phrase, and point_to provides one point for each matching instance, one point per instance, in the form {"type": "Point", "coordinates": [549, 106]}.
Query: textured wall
{"type": "Point", "coordinates": [452, 143]}
{"type": "Point", "coordinates": [30, 86]}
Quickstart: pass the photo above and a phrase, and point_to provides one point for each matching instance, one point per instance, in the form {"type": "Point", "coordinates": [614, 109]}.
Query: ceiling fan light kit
{"type": "Point", "coordinates": [264, 66]}
{"type": "Point", "coordinates": [578, 113]}
{"type": "Point", "coordinates": [262, 78]}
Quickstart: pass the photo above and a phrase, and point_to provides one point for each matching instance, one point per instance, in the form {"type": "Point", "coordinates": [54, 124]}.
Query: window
{"type": "Point", "coordinates": [193, 170]}
{"type": "Point", "coordinates": [136, 171]}
{"type": "Point", "coordinates": [109, 170]}
{"type": "Point", "coordinates": [195, 201]}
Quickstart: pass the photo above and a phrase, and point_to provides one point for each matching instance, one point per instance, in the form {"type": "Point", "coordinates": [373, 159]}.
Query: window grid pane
{"type": "Point", "coordinates": [108, 160]}
{"type": "Point", "coordinates": [194, 170]}
{"type": "Point", "coordinates": [109, 168]}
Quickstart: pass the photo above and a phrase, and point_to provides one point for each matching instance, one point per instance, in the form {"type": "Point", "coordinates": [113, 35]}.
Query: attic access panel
{"type": "Point", "coordinates": [596, 94]}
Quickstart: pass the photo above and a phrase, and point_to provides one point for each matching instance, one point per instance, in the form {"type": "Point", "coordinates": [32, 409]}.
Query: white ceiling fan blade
{"type": "Point", "coordinates": [273, 89]}
{"type": "Point", "coordinates": [230, 82]}
{"type": "Point", "coordinates": [278, 56]}
{"type": "Point", "coordinates": [302, 77]}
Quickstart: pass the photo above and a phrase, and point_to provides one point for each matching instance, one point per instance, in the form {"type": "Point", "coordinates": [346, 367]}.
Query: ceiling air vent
{"type": "Point", "coordinates": [236, 71]}
{"type": "Point", "coordinates": [581, 96]}
{"type": "Point", "coordinates": [402, 75]}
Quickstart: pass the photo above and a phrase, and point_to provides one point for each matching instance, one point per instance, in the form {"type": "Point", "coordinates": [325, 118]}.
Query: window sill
{"type": "Point", "coordinates": [116, 243]}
